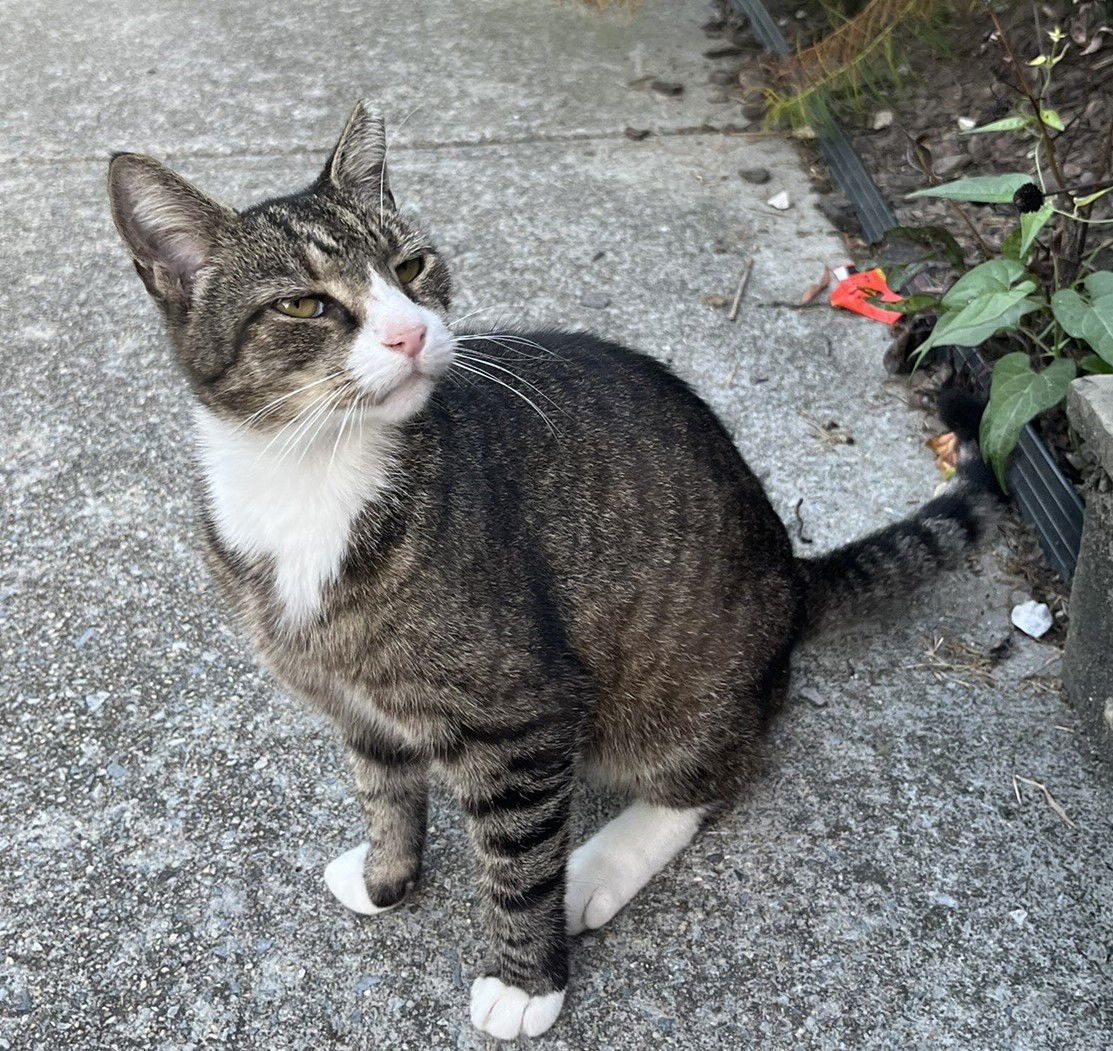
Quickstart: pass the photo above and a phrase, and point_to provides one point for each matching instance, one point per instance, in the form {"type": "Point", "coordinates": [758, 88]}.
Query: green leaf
{"type": "Point", "coordinates": [1052, 119]}
{"type": "Point", "coordinates": [998, 275]}
{"type": "Point", "coordinates": [1018, 395]}
{"type": "Point", "coordinates": [980, 319]}
{"type": "Point", "coordinates": [1099, 283]}
{"type": "Point", "coordinates": [1098, 366]}
{"type": "Point", "coordinates": [1081, 202]}
{"type": "Point", "coordinates": [1092, 321]}
{"type": "Point", "coordinates": [984, 189]}
{"type": "Point", "coordinates": [1010, 247]}
{"type": "Point", "coordinates": [1004, 124]}
{"type": "Point", "coordinates": [1039, 60]}
{"type": "Point", "coordinates": [1031, 223]}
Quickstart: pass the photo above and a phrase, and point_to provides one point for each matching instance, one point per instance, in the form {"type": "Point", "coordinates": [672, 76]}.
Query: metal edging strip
{"type": "Point", "coordinates": [1044, 495]}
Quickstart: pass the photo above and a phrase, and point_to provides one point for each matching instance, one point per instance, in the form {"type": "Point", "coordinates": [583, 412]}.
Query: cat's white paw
{"type": "Point", "coordinates": [505, 1011]}
{"type": "Point", "coordinates": [599, 884]}
{"type": "Point", "coordinates": [344, 877]}
{"type": "Point", "coordinates": [622, 857]}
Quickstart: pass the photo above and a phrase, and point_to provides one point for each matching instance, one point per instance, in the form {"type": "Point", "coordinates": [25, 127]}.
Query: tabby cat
{"type": "Point", "coordinates": [506, 559]}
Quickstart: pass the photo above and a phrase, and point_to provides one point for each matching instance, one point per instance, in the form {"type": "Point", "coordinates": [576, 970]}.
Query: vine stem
{"type": "Point", "coordinates": [1022, 84]}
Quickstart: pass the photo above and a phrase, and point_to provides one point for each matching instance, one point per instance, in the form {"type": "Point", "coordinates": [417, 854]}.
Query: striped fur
{"type": "Point", "coordinates": [912, 552]}
{"type": "Point", "coordinates": [559, 562]}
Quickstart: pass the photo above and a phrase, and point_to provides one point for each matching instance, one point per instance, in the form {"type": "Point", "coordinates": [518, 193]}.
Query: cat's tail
{"type": "Point", "coordinates": [895, 560]}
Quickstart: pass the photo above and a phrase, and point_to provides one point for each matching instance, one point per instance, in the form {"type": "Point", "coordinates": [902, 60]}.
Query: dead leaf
{"type": "Point", "coordinates": [812, 291]}
{"type": "Point", "coordinates": [716, 302]}
{"type": "Point", "coordinates": [945, 448]}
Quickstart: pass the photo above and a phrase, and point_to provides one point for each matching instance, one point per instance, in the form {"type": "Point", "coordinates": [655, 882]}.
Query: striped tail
{"type": "Point", "coordinates": [897, 559]}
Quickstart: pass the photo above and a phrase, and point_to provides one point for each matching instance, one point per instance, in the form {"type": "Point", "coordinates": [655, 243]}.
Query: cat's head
{"type": "Point", "coordinates": [323, 300]}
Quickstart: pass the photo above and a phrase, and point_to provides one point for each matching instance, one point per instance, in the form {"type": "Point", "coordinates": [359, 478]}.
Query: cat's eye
{"type": "Point", "coordinates": [407, 271]}
{"type": "Point", "coordinates": [300, 306]}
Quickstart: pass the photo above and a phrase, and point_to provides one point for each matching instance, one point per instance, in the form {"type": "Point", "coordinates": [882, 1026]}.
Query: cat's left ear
{"type": "Point", "coordinates": [358, 163]}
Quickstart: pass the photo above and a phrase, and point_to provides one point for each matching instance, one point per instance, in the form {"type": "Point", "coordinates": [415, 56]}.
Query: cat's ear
{"type": "Point", "coordinates": [170, 227]}
{"type": "Point", "coordinates": [358, 163]}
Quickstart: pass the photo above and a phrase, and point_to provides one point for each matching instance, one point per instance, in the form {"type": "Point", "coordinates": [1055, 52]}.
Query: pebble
{"type": "Point", "coordinates": [1033, 618]}
{"type": "Point", "coordinates": [637, 134]}
{"type": "Point", "coordinates": [595, 301]}
{"type": "Point", "coordinates": [966, 123]}
{"type": "Point", "coordinates": [813, 697]}
{"type": "Point", "coordinates": [667, 87]}
{"type": "Point", "coordinates": [753, 110]}
{"type": "Point", "coordinates": [882, 119]}
{"type": "Point", "coordinates": [755, 175]}
{"type": "Point", "coordinates": [780, 201]}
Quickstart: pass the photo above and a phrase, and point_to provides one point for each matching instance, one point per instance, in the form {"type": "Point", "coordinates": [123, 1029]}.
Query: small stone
{"type": "Point", "coordinates": [1033, 618]}
{"type": "Point", "coordinates": [966, 123]}
{"type": "Point", "coordinates": [636, 134]}
{"type": "Point", "coordinates": [780, 201]}
{"type": "Point", "coordinates": [671, 88]}
{"type": "Point", "coordinates": [116, 772]}
{"type": "Point", "coordinates": [1019, 916]}
{"type": "Point", "coordinates": [944, 166]}
{"type": "Point", "coordinates": [753, 110]}
{"type": "Point", "coordinates": [943, 899]}
{"type": "Point", "coordinates": [94, 701]}
{"type": "Point", "coordinates": [755, 175]}
{"type": "Point", "coordinates": [595, 301]}
{"type": "Point", "coordinates": [813, 697]}
{"type": "Point", "coordinates": [883, 118]}
{"type": "Point", "coordinates": [805, 131]}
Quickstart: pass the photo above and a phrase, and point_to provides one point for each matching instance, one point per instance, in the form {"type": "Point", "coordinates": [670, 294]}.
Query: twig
{"type": "Point", "coordinates": [743, 281]}
{"type": "Point", "coordinates": [1050, 799]}
{"type": "Point", "coordinates": [800, 524]}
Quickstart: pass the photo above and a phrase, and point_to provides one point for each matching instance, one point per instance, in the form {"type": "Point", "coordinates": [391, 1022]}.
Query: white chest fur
{"type": "Point", "coordinates": [297, 507]}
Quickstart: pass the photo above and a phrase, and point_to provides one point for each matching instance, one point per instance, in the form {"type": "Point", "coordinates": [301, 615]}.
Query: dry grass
{"type": "Point", "coordinates": [952, 660]}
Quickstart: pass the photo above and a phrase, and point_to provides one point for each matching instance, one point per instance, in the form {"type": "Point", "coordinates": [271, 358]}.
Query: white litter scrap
{"type": "Point", "coordinates": [780, 201]}
{"type": "Point", "coordinates": [1033, 618]}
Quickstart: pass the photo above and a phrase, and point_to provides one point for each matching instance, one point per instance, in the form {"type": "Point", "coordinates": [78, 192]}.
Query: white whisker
{"type": "Point", "coordinates": [298, 419]}
{"type": "Point", "coordinates": [324, 419]}
{"type": "Point", "coordinates": [277, 401]}
{"type": "Point", "coordinates": [320, 409]}
{"type": "Point", "coordinates": [513, 390]}
{"type": "Point", "coordinates": [478, 359]}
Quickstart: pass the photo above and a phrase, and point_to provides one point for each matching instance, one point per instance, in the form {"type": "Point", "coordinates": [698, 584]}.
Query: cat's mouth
{"type": "Point", "coordinates": [410, 383]}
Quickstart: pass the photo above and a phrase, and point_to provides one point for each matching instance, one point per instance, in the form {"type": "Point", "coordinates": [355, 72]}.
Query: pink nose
{"type": "Point", "coordinates": [405, 338]}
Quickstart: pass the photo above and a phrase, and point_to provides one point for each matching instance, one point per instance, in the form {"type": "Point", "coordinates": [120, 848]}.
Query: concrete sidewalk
{"type": "Point", "coordinates": [167, 812]}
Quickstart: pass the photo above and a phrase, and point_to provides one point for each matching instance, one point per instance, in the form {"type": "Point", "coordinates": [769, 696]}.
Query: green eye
{"type": "Point", "coordinates": [409, 270]}
{"type": "Point", "coordinates": [300, 306]}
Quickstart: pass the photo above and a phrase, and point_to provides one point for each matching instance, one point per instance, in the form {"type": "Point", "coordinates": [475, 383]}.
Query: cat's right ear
{"type": "Point", "coordinates": [170, 227]}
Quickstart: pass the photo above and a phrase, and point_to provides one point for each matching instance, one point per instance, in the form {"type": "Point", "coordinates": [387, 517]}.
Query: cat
{"type": "Point", "coordinates": [508, 558]}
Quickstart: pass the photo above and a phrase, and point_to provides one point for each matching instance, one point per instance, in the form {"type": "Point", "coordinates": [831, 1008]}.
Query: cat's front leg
{"type": "Point", "coordinates": [517, 807]}
{"type": "Point", "coordinates": [392, 787]}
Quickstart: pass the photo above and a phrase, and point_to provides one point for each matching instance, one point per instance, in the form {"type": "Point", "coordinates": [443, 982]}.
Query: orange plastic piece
{"type": "Point", "coordinates": [852, 292]}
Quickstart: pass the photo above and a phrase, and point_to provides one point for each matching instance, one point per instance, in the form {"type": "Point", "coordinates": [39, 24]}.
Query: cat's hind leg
{"type": "Point", "coordinates": [606, 871]}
